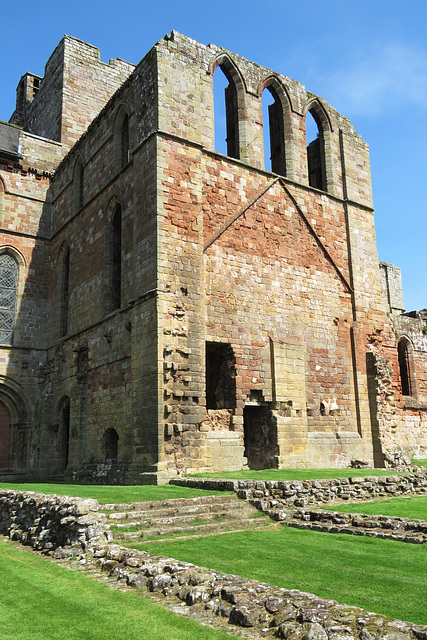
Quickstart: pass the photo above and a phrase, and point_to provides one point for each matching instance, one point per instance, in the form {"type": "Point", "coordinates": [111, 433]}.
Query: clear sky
{"type": "Point", "coordinates": [367, 59]}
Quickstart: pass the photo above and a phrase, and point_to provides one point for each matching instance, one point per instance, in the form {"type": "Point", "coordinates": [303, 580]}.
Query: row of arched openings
{"type": "Point", "coordinates": [229, 109]}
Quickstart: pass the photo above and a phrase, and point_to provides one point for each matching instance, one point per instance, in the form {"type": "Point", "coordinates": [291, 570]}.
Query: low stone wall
{"type": "Point", "coordinates": [394, 528]}
{"type": "Point", "coordinates": [275, 497]}
{"type": "Point", "coordinates": [269, 611]}
{"type": "Point", "coordinates": [64, 527]}
{"type": "Point", "coordinates": [48, 522]}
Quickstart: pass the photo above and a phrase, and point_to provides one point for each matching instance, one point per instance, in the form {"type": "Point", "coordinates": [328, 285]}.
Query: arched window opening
{"type": "Point", "coordinates": [111, 444]}
{"type": "Point", "coordinates": [315, 152]}
{"type": "Point", "coordinates": [4, 437]}
{"type": "Point", "coordinates": [78, 185]}
{"type": "Point", "coordinates": [8, 289]}
{"type": "Point", "coordinates": [121, 139]}
{"type": "Point", "coordinates": [64, 275]}
{"type": "Point", "coordinates": [404, 367]}
{"type": "Point", "coordinates": [64, 434]}
{"type": "Point", "coordinates": [125, 141]}
{"type": "Point", "coordinates": [274, 135]}
{"type": "Point", "coordinates": [116, 258]}
{"type": "Point", "coordinates": [226, 115]}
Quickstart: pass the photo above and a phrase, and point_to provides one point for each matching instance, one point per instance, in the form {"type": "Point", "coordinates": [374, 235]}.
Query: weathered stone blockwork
{"type": "Point", "coordinates": [181, 310]}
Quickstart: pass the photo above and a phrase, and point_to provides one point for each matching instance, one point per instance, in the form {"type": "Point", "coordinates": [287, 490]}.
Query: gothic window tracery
{"type": "Point", "coordinates": [8, 289]}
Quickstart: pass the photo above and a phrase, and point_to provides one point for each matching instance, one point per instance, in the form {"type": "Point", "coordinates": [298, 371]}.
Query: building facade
{"type": "Point", "coordinates": [166, 308]}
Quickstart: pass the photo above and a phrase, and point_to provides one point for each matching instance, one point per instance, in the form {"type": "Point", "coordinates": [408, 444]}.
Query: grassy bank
{"type": "Point", "coordinates": [379, 575]}
{"type": "Point", "coordinates": [40, 601]}
{"type": "Point", "coordinates": [106, 493]}
{"type": "Point", "coordinates": [412, 507]}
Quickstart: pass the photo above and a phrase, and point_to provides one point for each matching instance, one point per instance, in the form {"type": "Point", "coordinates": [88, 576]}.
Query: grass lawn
{"type": "Point", "coordinates": [43, 601]}
{"type": "Point", "coordinates": [295, 474]}
{"type": "Point", "coordinates": [384, 576]}
{"type": "Point", "coordinates": [420, 463]}
{"type": "Point", "coordinates": [105, 493]}
{"type": "Point", "coordinates": [413, 507]}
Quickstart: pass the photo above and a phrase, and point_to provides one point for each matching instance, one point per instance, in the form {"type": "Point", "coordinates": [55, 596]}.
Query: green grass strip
{"type": "Point", "coordinates": [384, 576]}
{"type": "Point", "coordinates": [295, 474]}
{"type": "Point", "coordinates": [413, 507]}
{"type": "Point", "coordinates": [107, 494]}
{"type": "Point", "coordinates": [43, 601]}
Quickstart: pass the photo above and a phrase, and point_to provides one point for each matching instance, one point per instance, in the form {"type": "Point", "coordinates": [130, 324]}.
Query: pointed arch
{"type": "Point", "coordinates": [78, 184]}
{"type": "Point", "coordinates": [235, 108]}
{"type": "Point", "coordinates": [279, 126]}
{"type": "Point", "coordinates": [113, 256]}
{"type": "Point", "coordinates": [318, 150]}
{"type": "Point", "coordinates": [18, 411]}
{"type": "Point", "coordinates": [63, 289]}
{"type": "Point", "coordinates": [121, 138]}
{"type": "Point", "coordinates": [9, 272]}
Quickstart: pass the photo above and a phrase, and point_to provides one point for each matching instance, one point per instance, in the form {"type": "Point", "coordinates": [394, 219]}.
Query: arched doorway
{"type": "Point", "coordinates": [111, 445]}
{"type": "Point", "coordinates": [4, 437]}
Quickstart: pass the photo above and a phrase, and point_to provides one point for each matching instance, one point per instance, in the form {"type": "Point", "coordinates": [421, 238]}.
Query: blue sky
{"type": "Point", "coordinates": [367, 59]}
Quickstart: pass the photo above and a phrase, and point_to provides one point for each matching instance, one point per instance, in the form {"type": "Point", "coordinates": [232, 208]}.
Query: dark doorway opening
{"type": "Point", "coordinates": [260, 437]}
{"type": "Point", "coordinates": [220, 376]}
{"type": "Point", "coordinates": [111, 445]}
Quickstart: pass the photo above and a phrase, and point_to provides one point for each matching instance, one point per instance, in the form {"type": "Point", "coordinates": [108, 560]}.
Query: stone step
{"type": "Point", "coordinates": [196, 530]}
{"type": "Point", "coordinates": [156, 519]}
{"type": "Point", "coordinates": [173, 502]}
{"type": "Point", "coordinates": [171, 511]}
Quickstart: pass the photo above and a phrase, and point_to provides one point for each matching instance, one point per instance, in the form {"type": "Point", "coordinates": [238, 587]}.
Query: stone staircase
{"type": "Point", "coordinates": [141, 522]}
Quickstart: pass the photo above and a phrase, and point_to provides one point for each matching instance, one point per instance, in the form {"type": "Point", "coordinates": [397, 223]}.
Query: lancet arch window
{"type": "Point", "coordinates": [275, 109]}
{"type": "Point", "coordinates": [315, 151]}
{"type": "Point", "coordinates": [228, 112]}
{"type": "Point", "coordinates": [121, 139]}
{"type": "Point", "coordinates": [78, 184]}
{"type": "Point", "coordinates": [116, 258]}
{"type": "Point", "coordinates": [64, 288]}
{"type": "Point", "coordinates": [63, 444]}
{"type": "Point", "coordinates": [405, 367]}
{"type": "Point", "coordinates": [8, 293]}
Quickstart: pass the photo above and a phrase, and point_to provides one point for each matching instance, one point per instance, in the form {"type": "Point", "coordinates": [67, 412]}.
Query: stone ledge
{"type": "Point", "coordinates": [394, 528]}
{"type": "Point", "coordinates": [276, 495]}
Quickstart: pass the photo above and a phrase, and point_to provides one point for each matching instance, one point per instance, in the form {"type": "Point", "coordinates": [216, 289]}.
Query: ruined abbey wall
{"type": "Point", "coordinates": [178, 309]}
